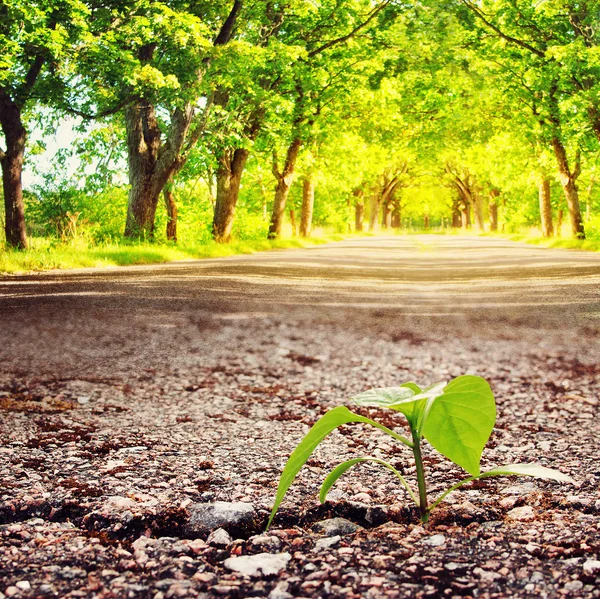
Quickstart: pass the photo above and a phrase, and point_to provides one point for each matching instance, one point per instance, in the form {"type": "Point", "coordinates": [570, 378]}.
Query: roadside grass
{"type": "Point", "coordinates": [45, 255]}
{"type": "Point", "coordinates": [589, 245]}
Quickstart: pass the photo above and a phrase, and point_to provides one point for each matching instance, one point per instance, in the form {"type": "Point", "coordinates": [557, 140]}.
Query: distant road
{"type": "Point", "coordinates": [423, 285]}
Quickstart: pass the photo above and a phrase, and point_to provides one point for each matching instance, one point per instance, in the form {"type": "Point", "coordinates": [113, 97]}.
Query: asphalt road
{"type": "Point", "coordinates": [396, 287]}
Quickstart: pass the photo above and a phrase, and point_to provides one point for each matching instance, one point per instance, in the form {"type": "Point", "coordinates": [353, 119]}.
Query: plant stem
{"type": "Point", "coordinates": [423, 510]}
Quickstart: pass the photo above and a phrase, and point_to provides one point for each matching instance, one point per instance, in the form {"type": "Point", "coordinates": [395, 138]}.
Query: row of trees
{"type": "Point", "coordinates": [377, 100]}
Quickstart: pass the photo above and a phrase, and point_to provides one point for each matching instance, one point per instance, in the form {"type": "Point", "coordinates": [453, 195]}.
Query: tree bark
{"type": "Point", "coordinates": [493, 209]}
{"type": "Point", "coordinates": [143, 143]}
{"type": "Point", "coordinates": [426, 221]}
{"type": "Point", "coordinates": [397, 216]}
{"type": "Point", "coordinates": [171, 206]}
{"type": "Point", "coordinates": [478, 211]}
{"type": "Point", "coordinates": [285, 178]}
{"type": "Point", "coordinates": [386, 217]}
{"type": "Point", "coordinates": [359, 210]}
{"type": "Point", "coordinates": [545, 207]}
{"type": "Point", "coordinates": [456, 211]}
{"type": "Point", "coordinates": [229, 178]}
{"type": "Point", "coordinates": [559, 221]}
{"type": "Point", "coordinates": [375, 208]}
{"type": "Point", "coordinates": [12, 160]}
{"type": "Point", "coordinates": [308, 203]}
{"type": "Point", "coordinates": [293, 223]}
{"type": "Point", "coordinates": [568, 180]}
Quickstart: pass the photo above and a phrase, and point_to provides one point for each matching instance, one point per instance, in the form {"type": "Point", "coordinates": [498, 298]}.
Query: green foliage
{"type": "Point", "coordinates": [457, 418]}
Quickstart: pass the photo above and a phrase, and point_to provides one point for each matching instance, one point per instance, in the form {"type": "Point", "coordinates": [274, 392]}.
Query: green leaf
{"type": "Point", "coordinates": [402, 399]}
{"type": "Point", "coordinates": [339, 470]}
{"type": "Point", "coordinates": [383, 397]}
{"type": "Point", "coordinates": [534, 470]}
{"type": "Point", "coordinates": [460, 421]}
{"type": "Point", "coordinates": [325, 425]}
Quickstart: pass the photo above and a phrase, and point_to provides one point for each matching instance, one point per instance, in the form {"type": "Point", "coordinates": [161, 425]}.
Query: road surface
{"type": "Point", "coordinates": [418, 286]}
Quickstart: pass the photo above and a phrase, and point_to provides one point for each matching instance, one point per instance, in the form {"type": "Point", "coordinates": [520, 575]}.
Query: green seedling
{"type": "Point", "coordinates": [456, 418]}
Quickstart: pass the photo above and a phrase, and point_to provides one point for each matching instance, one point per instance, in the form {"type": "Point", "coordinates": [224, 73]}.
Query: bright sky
{"type": "Point", "coordinates": [44, 163]}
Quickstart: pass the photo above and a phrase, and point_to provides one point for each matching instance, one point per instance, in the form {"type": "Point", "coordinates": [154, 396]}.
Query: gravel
{"type": "Point", "coordinates": [117, 473]}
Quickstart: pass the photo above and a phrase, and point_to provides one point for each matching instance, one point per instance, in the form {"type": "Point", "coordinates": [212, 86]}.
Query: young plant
{"type": "Point", "coordinates": [456, 418]}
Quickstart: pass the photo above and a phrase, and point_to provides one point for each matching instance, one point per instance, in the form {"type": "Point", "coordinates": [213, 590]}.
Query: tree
{"type": "Point", "coordinates": [35, 37]}
{"type": "Point", "coordinates": [547, 50]}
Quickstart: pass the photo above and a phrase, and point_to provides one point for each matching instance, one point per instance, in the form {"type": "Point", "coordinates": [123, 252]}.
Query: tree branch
{"type": "Point", "coordinates": [345, 38]}
{"type": "Point", "coordinates": [99, 115]}
{"type": "Point", "coordinates": [33, 73]}
{"type": "Point", "coordinates": [226, 33]}
{"type": "Point", "coordinates": [508, 38]}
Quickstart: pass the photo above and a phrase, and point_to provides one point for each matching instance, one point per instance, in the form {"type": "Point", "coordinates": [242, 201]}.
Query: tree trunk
{"type": "Point", "coordinates": [293, 223]}
{"type": "Point", "coordinates": [478, 212]}
{"type": "Point", "coordinates": [12, 169]}
{"type": "Point", "coordinates": [229, 178]}
{"type": "Point", "coordinates": [568, 180]}
{"type": "Point", "coordinates": [426, 221]}
{"type": "Point", "coordinates": [375, 208]}
{"type": "Point", "coordinates": [456, 212]}
{"type": "Point", "coordinates": [493, 209]}
{"type": "Point", "coordinates": [143, 143]}
{"type": "Point", "coordinates": [308, 203]}
{"type": "Point", "coordinates": [359, 209]}
{"type": "Point", "coordinates": [359, 217]}
{"type": "Point", "coordinates": [397, 216]}
{"type": "Point", "coordinates": [386, 218]}
{"type": "Point", "coordinates": [559, 221]}
{"type": "Point", "coordinates": [285, 179]}
{"type": "Point", "coordinates": [545, 207]}
{"type": "Point", "coordinates": [171, 206]}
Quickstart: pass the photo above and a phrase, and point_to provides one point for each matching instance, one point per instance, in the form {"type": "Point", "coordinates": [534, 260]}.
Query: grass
{"type": "Point", "coordinates": [47, 255]}
{"type": "Point", "coordinates": [44, 255]}
{"type": "Point", "coordinates": [589, 245]}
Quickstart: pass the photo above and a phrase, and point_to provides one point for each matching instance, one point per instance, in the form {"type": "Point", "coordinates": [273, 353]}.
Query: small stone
{"type": "Point", "coordinates": [327, 542]}
{"type": "Point", "coordinates": [260, 564]}
{"type": "Point", "coordinates": [574, 585]}
{"type": "Point", "coordinates": [335, 526]}
{"type": "Point", "coordinates": [508, 502]}
{"type": "Point", "coordinates": [362, 498]}
{"type": "Point", "coordinates": [205, 517]}
{"type": "Point", "coordinates": [23, 585]}
{"type": "Point", "coordinates": [219, 537]}
{"type": "Point", "coordinates": [269, 542]}
{"type": "Point", "coordinates": [280, 591]}
{"type": "Point", "coordinates": [434, 540]}
{"type": "Point", "coordinates": [522, 514]}
{"type": "Point", "coordinates": [11, 591]}
{"type": "Point", "coordinates": [486, 575]}
{"type": "Point", "coordinates": [591, 566]}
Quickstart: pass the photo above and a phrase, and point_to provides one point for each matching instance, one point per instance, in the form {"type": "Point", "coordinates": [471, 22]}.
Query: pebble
{"type": "Point", "coordinates": [219, 537]}
{"type": "Point", "coordinates": [256, 565]}
{"type": "Point", "coordinates": [522, 514]}
{"type": "Point", "coordinates": [327, 542]}
{"type": "Point", "coordinates": [335, 526]}
{"type": "Point", "coordinates": [591, 566]}
{"type": "Point", "coordinates": [574, 585]}
{"type": "Point", "coordinates": [270, 542]}
{"type": "Point", "coordinates": [280, 591]}
{"type": "Point", "coordinates": [23, 585]}
{"type": "Point", "coordinates": [486, 575]}
{"type": "Point", "coordinates": [434, 540]}
{"type": "Point", "coordinates": [205, 517]}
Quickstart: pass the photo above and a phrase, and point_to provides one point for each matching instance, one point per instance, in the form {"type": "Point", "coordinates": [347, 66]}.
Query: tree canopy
{"type": "Point", "coordinates": [257, 118]}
